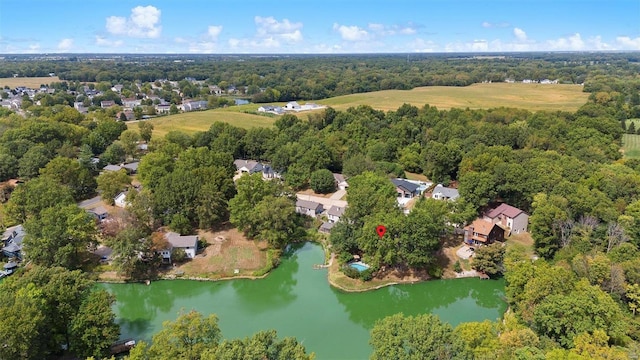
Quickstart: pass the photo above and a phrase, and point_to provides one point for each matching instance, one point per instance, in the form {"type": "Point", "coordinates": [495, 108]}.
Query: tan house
{"type": "Point", "coordinates": [482, 232]}
{"type": "Point", "coordinates": [509, 217]}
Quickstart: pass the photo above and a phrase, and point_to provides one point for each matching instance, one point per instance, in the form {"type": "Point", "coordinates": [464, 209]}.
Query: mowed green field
{"type": "Point", "coordinates": [631, 146]}
{"type": "Point", "coordinates": [532, 97]}
{"type": "Point", "coordinates": [31, 82]}
{"type": "Point", "coordinates": [195, 121]}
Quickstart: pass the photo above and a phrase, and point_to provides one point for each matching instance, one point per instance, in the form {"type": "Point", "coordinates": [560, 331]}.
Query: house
{"type": "Point", "coordinates": [309, 208]}
{"type": "Point", "coordinates": [277, 110]}
{"type": "Point", "coordinates": [112, 168]}
{"type": "Point", "coordinates": [247, 166]}
{"type": "Point", "coordinates": [444, 193]}
{"type": "Point", "coordinates": [187, 243]}
{"type": "Point", "coordinates": [512, 218]}
{"type": "Point", "coordinates": [193, 105]}
{"type": "Point", "coordinates": [131, 103]}
{"type": "Point", "coordinates": [326, 227]}
{"type": "Point", "coordinates": [252, 167]}
{"type": "Point", "coordinates": [99, 212]}
{"type": "Point", "coordinates": [128, 115]}
{"type": "Point", "coordinates": [341, 181]}
{"type": "Point", "coordinates": [163, 108]}
{"type": "Point", "coordinates": [131, 168]}
{"type": "Point", "coordinates": [405, 189]}
{"type": "Point", "coordinates": [293, 105]}
{"type": "Point", "coordinates": [482, 232]}
{"type": "Point", "coordinates": [12, 241]}
{"type": "Point", "coordinates": [335, 213]}
{"type": "Point", "coordinates": [107, 104]}
{"type": "Point", "coordinates": [121, 200]}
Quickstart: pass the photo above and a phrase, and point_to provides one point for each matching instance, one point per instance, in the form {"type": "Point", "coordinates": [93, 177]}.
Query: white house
{"type": "Point", "coordinates": [341, 181]}
{"type": "Point", "coordinates": [293, 105]}
{"type": "Point", "coordinates": [335, 213]}
{"type": "Point", "coordinates": [309, 208]}
{"type": "Point", "coordinates": [508, 216]}
{"type": "Point", "coordinates": [444, 193]}
{"type": "Point", "coordinates": [121, 200]}
{"type": "Point", "coordinates": [187, 243]}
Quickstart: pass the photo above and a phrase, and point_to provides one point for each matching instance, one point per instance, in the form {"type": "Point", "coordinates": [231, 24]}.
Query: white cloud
{"type": "Point", "coordinates": [101, 41]}
{"type": "Point", "coordinates": [270, 29]}
{"type": "Point", "coordinates": [351, 33]}
{"type": "Point", "coordinates": [628, 43]}
{"type": "Point", "coordinates": [421, 45]}
{"type": "Point", "coordinates": [381, 29]}
{"type": "Point", "coordinates": [144, 22]}
{"type": "Point", "coordinates": [214, 31]}
{"type": "Point", "coordinates": [65, 44]}
{"type": "Point", "coordinates": [573, 42]}
{"type": "Point", "coordinates": [520, 34]}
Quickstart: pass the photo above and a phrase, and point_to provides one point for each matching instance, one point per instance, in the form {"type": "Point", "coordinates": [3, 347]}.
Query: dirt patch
{"type": "Point", "coordinates": [228, 253]}
{"type": "Point", "coordinates": [313, 193]}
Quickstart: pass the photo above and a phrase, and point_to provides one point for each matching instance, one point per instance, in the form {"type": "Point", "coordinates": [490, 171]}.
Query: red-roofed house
{"type": "Point", "coordinates": [509, 217]}
{"type": "Point", "coordinates": [482, 232]}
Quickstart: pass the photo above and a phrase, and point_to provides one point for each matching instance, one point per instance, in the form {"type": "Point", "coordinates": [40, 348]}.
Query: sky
{"type": "Point", "coordinates": [312, 26]}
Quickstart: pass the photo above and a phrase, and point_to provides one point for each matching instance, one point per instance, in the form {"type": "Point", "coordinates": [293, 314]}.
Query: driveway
{"type": "Point", "coordinates": [464, 252]}
{"type": "Point", "coordinates": [326, 202]}
{"type": "Point", "coordinates": [338, 195]}
{"type": "Point", "coordinates": [90, 203]}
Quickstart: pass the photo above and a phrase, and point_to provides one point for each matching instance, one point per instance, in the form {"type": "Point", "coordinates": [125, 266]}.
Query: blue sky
{"type": "Point", "coordinates": [311, 26]}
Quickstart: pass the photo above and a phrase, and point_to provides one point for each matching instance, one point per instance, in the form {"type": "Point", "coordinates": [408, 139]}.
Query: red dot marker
{"type": "Point", "coordinates": [381, 229]}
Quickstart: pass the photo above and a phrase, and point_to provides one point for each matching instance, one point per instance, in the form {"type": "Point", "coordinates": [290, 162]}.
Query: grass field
{"type": "Point", "coordinates": [532, 97]}
{"type": "Point", "coordinates": [192, 122]}
{"type": "Point", "coordinates": [631, 146]}
{"type": "Point", "coordinates": [32, 82]}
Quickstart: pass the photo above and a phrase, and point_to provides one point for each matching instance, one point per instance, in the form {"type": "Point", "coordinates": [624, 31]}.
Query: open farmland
{"type": "Point", "coordinates": [534, 97]}
{"type": "Point", "coordinates": [31, 82]}
{"type": "Point", "coordinates": [631, 146]}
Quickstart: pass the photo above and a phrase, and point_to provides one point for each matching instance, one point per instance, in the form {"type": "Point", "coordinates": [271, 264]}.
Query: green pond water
{"type": "Point", "coordinates": [296, 300]}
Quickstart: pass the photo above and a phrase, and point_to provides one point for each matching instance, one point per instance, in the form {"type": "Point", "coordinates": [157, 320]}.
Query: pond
{"type": "Point", "coordinates": [296, 300]}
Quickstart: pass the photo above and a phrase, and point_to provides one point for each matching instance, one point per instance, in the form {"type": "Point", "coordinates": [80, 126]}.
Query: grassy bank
{"type": "Point", "coordinates": [31, 82]}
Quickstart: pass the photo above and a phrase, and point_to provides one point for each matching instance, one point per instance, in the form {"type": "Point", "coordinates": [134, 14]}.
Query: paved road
{"type": "Point", "coordinates": [89, 203]}
{"type": "Point", "coordinates": [338, 195]}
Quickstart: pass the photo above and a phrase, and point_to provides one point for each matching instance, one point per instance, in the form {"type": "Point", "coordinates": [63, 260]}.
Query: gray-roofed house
{"type": "Point", "coordinates": [100, 212]}
{"type": "Point", "coordinates": [444, 193]}
{"type": "Point", "coordinates": [188, 243]}
{"type": "Point", "coordinates": [309, 208]}
{"type": "Point", "coordinates": [131, 168]}
{"type": "Point", "coordinates": [12, 241]}
{"type": "Point", "coordinates": [247, 166]}
{"type": "Point", "coordinates": [405, 189]}
{"type": "Point", "coordinates": [341, 181]}
{"type": "Point", "coordinates": [335, 213]}
{"type": "Point", "coordinates": [121, 200]}
{"type": "Point", "coordinates": [326, 227]}
{"type": "Point", "coordinates": [111, 167]}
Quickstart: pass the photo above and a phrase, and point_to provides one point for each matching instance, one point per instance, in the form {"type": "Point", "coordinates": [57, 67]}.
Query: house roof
{"type": "Point", "coordinates": [9, 232]}
{"type": "Point", "coordinates": [112, 167]}
{"type": "Point", "coordinates": [339, 178]}
{"type": "Point", "coordinates": [482, 227]}
{"type": "Point", "coordinates": [99, 210]}
{"type": "Point", "coordinates": [178, 241]}
{"type": "Point", "coordinates": [327, 226]}
{"type": "Point", "coordinates": [306, 204]}
{"type": "Point", "coordinates": [132, 166]}
{"type": "Point", "coordinates": [251, 165]}
{"type": "Point", "coordinates": [405, 185]}
{"type": "Point", "coordinates": [505, 209]}
{"type": "Point", "coordinates": [448, 192]}
{"type": "Point", "coordinates": [335, 211]}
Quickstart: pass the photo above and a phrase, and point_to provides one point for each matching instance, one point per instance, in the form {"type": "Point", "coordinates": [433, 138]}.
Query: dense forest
{"type": "Point", "coordinates": [579, 300]}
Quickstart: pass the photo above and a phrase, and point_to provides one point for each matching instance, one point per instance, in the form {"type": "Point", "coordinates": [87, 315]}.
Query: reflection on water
{"type": "Point", "coordinates": [297, 300]}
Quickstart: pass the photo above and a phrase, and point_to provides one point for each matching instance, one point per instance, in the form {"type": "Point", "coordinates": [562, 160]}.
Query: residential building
{"type": "Point", "coordinates": [121, 200]}
{"type": "Point", "coordinates": [188, 243]}
{"type": "Point", "coordinates": [131, 168]}
{"type": "Point", "coordinates": [309, 208]}
{"type": "Point", "coordinates": [481, 232]}
{"type": "Point", "coordinates": [12, 241]}
{"type": "Point", "coordinates": [341, 181]}
{"type": "Point", "coordinates": [293, 105]}
{"type": "Point", "coordinates": [100, 213]}
{"type": "Point", "coordinates": [405, 189]}
{"type": "Point", "coordinates": [326, 227]}
{"type": "Point", "coordinates": [111, 167]}
{"type": "Point", "coordinates": [335, 213]}
{"type": "Point", "coordinates": [509, 217]}
{"type": "Point", "coordinates": [252, 167]}
{"type": "Point", "coordinates": [107, 103]}
{"type": "Point", "coordinates": [444, 193]}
